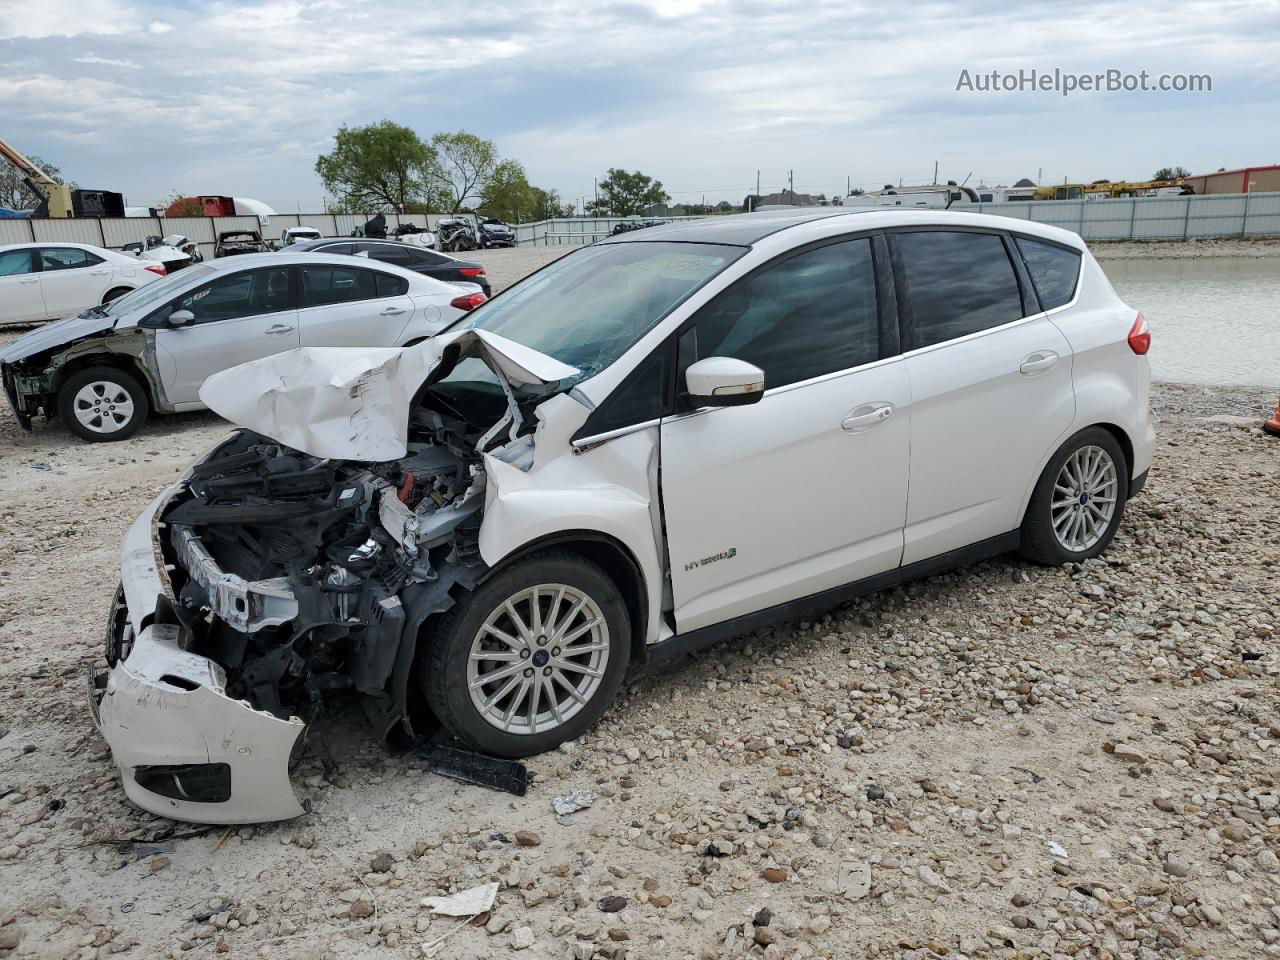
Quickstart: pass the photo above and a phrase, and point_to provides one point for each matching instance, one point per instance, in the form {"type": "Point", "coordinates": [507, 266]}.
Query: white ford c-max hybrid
{"type": "Point", "coordinates": [662, 440]}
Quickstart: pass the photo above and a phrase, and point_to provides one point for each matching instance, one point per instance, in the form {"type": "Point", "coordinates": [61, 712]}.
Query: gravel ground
{"type": "Point", "coordinates": [1004, 761]}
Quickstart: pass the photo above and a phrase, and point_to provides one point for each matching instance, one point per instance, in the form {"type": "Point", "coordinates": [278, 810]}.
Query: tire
{"type": "Point", "coordinates": [448, 671]}
{"type": "Point", "coordinates": [118, 399]}
{"type": "Point", "coordinates": [114, 293]}
{"type": "Point", "coordinates": [1067, 521]}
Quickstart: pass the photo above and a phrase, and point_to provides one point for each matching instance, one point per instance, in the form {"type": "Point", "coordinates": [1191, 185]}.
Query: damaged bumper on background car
{"type": "Point", "coordinates": [272, 576]}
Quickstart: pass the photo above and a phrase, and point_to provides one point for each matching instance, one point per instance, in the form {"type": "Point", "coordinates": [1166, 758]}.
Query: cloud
{"type": "Point", "coordinates": [239, 97]}
{"type": "Point", "coordinates": [108, 62]}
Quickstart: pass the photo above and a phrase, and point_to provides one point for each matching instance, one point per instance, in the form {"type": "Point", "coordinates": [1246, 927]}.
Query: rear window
{"type": "Point", "coordinates": [1054, 270]}
{"type": "Point", "coordinates": [957, 283]}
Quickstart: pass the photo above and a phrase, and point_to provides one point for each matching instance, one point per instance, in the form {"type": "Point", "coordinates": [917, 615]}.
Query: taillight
{"type": "Point", "coordinates": [468, 301]}
{"type": "Point", "coordinates": [1140, 336]}
{"type": "Point", "coordinates": [156, 268]}
{"type": "Point", "coordinates": [471, 271]}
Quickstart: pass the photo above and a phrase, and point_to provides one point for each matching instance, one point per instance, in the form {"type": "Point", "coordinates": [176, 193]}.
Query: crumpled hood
{"type": "Point", "coordinates": [350, 403]}
{"type": "Point", "coordinates": [60, 333]}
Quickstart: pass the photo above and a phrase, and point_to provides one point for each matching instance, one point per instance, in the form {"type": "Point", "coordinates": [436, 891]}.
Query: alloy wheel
{"type": "Point", "coordinates": [538, 658]}
{"type": "Point", "coordinates": [1084, 498]}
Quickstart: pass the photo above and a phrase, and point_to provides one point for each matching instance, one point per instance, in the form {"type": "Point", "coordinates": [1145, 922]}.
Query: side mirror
{"type": "Point", "coordinates": [181, 318]}
{"type": "Point", "coordinates": [723, 382]}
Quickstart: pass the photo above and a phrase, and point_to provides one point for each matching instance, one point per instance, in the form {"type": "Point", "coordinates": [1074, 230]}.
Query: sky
{"type": "Point", "coordinates": [239, 98]}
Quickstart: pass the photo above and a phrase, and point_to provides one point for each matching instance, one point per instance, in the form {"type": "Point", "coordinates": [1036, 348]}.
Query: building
{"type": "Point", "coordinates": [1243, 180]}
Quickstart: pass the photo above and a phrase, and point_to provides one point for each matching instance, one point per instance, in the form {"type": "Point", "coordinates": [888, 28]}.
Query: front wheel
{"type": "Point", "coordinates": [1078, 501]}
{"type": "Point", "coordinates": [101, 404]}
{"type": "Point", "coordinates": [531, 659]}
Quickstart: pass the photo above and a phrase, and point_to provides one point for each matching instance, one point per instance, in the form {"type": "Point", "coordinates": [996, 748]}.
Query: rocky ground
{"type": "Point", "coordinates": [1194, 249]}
{"type": "Point", "coordinates": [1004, 761]}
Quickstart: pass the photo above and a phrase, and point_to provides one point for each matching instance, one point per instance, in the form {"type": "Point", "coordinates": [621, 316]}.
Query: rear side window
{"type": "Point", "coordinates": [66, 258]}
{"type": "Point", "coordinates": [346, 249]}
{"type": "Point", "coordinates": [809, 315]}
{"type": "Point", "coordinates": [386, 252]}
{"type": "Point", "coordinates": [389, 286]}
{"type": "Point", "coordinates": [1055, 271]}
{"type": "Point", "coordinates": [957, 284]}
{"type": "Point", "coordinates": [322, 286]}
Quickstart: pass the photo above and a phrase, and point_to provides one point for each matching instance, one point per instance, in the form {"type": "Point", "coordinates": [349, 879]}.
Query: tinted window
{"type": "Point", "coordinates": [239, 295]}
{"type": "Point", "coordinates": [809, 315]}
{"type": "Point", "coordinates": [424, 258]}
{"type": "Point", "coordinates": [957, 284]}
{"type": "Point", "coordinates": [325, 285]}
{"type": "Point", "coordinates": [641, 398]}
{"type": "Point", "coordinates": [14, 262]}
{"type": "Point", "coordinates": [386, 252]}
{"type": "Point", "coordinates": [389, 286]}
{"type": "Point", "coordinates": [1054, 271]}
{"type": "Point", "coordinates": [66, 258]}
{"type": "Point", "coordinates": [343, 248]}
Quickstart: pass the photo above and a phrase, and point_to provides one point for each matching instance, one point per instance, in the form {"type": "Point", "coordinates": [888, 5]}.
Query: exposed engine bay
{"type": "Point", "coordinates": [303, 577]}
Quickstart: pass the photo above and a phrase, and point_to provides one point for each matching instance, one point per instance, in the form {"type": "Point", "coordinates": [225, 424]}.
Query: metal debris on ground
{"type": "Point", "coordinates": [572, 802]}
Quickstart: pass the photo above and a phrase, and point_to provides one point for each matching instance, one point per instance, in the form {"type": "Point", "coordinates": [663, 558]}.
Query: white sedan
{"type": "Point", "coordinates": [45, 281]}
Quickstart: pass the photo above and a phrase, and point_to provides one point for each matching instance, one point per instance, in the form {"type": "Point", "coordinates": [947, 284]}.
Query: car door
{"type": "Point", "coordinates": [991, 390]}
{"type": "Point", "coordinates": [20, 297]}
{"type": "Point", "coordinates": [237, 317]}
{"type": "Point", "coordinates": [805, 490]}
{"type": "Point", "coordinates": [353, 306]}
{"type": "Point", "coordinates": [71, 279]}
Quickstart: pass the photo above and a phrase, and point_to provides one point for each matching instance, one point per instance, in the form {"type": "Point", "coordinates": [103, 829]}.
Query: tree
{"type": "Point", "coordinates": [1025, 182]}
{"type": "Point", "coordinates": [378, 168]}
{"type": "Point", "coordinates": [14, 193]}
{"type": "Point", "coordinates": [466, 162]}
{"type": "Point", "coordinates": [1171, 173]}
{"type": "Point", "coordinates": [508, 195]}
{"type": "Point", "coordinates": [624, 194]}
{"type": "Point", "coordinates": [548, 205]}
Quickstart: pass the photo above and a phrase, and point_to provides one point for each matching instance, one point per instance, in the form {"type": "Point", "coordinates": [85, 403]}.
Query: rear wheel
{"type": "Point", "coordinates": [1078, 500]}
{"type": "Point", "coordinates": [102, 404]}
{"type": "Point", "coordinates": [531, 659]}
{"type": "Point", "coordinates": [114, 294]}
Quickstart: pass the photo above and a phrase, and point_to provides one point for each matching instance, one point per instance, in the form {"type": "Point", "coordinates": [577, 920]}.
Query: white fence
{"type": "Point", "coordinates": [1152, 218]}
{"type": "Point", "coordinates": [1133, 218]}
{"type": "Point", "coordinates": [1130, 218]}
{"type": "Point", "coordinates": [115, 233]}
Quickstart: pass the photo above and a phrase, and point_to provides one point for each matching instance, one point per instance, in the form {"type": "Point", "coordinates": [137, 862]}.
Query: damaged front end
{"type": "Point", "coordinates": [279, 579]}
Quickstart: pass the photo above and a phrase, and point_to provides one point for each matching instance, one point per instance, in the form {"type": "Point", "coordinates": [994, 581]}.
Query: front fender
{"type": "Point", "coordinates": [610, 490]}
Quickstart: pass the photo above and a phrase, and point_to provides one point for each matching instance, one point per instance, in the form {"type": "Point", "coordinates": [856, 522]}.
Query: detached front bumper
{"type": "Point", "coordinates": [185, 749]}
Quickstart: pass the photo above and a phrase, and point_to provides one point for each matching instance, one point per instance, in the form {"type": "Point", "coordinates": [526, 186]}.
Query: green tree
{"type": "Point", "coordinates": [14, 193]}
{"type": "Point", "coordinates": [380, 167]}
{"type": "Point", "coordinates": [508, 195]}
{"type": "Point", "coordinates": [624, 194]}
{"type": "Point", "coordinates": [466, 162]}
{"type": "Point", "coordinates": [1171, 173]}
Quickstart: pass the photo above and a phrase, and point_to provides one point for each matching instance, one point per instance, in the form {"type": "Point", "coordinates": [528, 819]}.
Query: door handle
{"type": "Point", "coordinates": [277, 329]}
{"type": "Point", "coordinates": [31, 280]}
{"type": "Point", "coordinates": [866, 416]}
{"type": "Point", "coordinates": [392, 312]}
{"type": "Point", "coordinates": [1038, 362]}
{"type": "Point", "coordinates": [99, 273]}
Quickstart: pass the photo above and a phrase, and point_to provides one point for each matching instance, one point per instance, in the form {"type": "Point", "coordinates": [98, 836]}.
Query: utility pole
{"type": "Point", "coordinates": [848, 186]}
{"type": "Point", "coordinates": [791, 182]}
{"type": "Point", "coordinates": [935, 172]}
{"type": "Point", "coordinates": [757, 189]}
{"type": "Point", "coordinates": [1039, 175]}
{"type": "Point", "coordinates": [596, 183]}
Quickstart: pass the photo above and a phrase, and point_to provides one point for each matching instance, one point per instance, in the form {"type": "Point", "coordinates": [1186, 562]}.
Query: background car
{"type": "Point", "coordinates": [45, 281]}
{"type": "Point", "coordinates": [104, 370]}
{"type": "Point", "coordinates": [496, 233]}
{"type": "Point", "coordinates": [234, 243]}
{"type": "Point", "coordinates": [430, 263]}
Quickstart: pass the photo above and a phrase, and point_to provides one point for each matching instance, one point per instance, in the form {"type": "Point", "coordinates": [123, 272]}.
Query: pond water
{"type": "Point", "coordinates": [1213, 321]}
